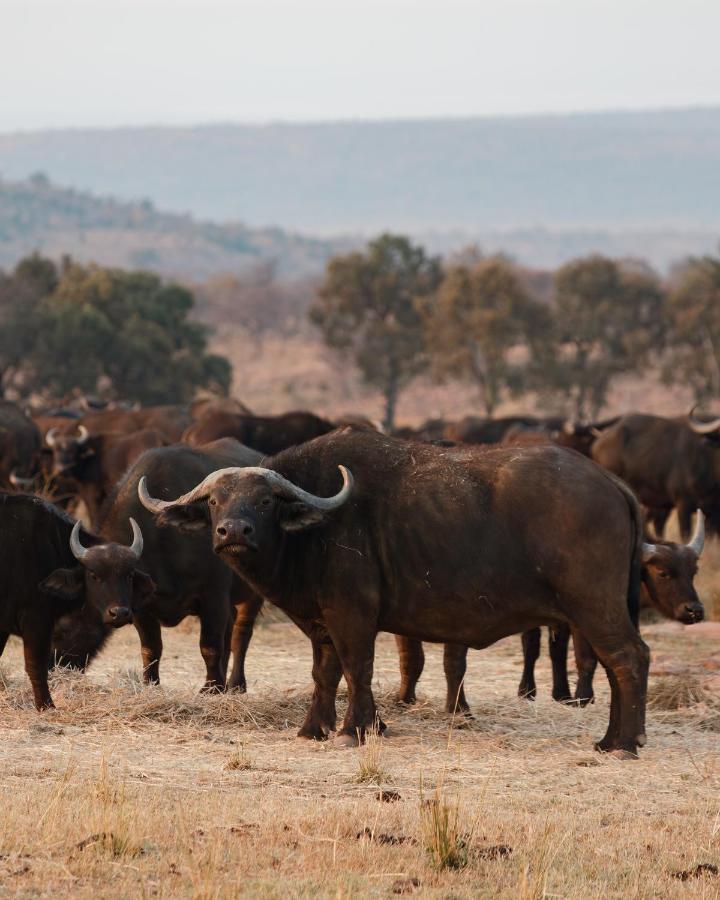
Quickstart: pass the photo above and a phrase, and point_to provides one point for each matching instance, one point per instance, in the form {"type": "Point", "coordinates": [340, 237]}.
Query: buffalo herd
{"type": "Point", "coordinates": [460, 533]}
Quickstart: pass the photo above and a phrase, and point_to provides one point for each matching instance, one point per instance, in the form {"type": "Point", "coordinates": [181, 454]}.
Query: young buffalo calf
{"type": "Point", "coordinates": [45, 572]}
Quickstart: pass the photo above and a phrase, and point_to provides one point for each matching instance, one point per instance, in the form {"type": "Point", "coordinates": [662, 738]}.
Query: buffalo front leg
{"type": "Point", "coordinates": [412, 661]}
{"type": "Point", "coordinates": [531, 654]}
{"type": "Point", "coordinates": [455, 665]}
{"type": "Point", "coordinates": [36, 650]}
{"type": "Point", "coordinates": [148, 629]}
{"type": "Point", "coordinates": [354, 639]}
{"type": "Point", "coordinates": [242, 631]}
{"type": "Point", "coordinates": [321, 716]}
{"type": "Point", "coordinates": [559, 640]}
{"type": "Point", "coordinates": [4, 635]}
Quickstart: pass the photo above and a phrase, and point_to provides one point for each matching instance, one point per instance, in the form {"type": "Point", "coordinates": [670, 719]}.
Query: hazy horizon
{"type": "Point", "coordinates": [135, 63]}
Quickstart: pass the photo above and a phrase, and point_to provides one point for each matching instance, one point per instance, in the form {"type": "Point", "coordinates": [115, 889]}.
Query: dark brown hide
{"type": "Point", "coordinates": [453, 546]}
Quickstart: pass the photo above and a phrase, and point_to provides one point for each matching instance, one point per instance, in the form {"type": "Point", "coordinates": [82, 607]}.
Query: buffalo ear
{"type": "Point", "coordinates": [64, 584]}
{"type": "Point", "coordinates": [190, 517]}
{"type": "Point", "coordinates": [143, 583]}
{"type": "Point", "coordinates": [296, 516]}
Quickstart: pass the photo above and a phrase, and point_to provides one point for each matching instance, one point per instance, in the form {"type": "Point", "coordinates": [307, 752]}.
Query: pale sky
{"type": "Point", "coordinates": [131, 62]}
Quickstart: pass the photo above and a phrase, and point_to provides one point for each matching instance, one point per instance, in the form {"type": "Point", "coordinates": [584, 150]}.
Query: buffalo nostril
{"type": "Point", "coordinates": [222, 531]}
{"type": "Point", "coordinates": [247, 529]}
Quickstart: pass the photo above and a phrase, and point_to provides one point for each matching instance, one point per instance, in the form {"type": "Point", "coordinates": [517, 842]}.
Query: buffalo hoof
{"type": "Point", "coordinates": [623, 754]}
{"type": "Point", "coordinates": [527, 693]}
{"type": "Point", "coordinates": [563, 697]}
{"type": "Point", "coordinates": [212, 688]}
{"type": "Point", "coordinates": [611, 749]}
{"type": "Point", "coordinates": [313, 733]}
{"type": "Point", "coordinates": [343, 741]}
{"type": "Point", "coordinates": [407, 699]}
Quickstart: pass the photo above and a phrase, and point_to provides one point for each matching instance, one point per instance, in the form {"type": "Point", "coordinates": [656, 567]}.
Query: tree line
{"type": "Point", "coordinates": [124, 333]}
{"type": "Point", "coordinates": [397, 312]}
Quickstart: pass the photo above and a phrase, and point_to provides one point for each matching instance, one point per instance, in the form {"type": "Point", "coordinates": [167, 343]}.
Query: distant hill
{"type": "Point", "coordinates": [599, 171]}
{"type": "Point", "coordinates": [37, 215]}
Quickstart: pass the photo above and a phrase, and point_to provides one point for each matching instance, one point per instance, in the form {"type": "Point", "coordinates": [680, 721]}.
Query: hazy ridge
{"type": "Point", "coordinates": [544, 188]}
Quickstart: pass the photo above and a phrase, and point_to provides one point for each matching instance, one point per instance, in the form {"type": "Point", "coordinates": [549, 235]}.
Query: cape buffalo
{"type": "Point", "coordinates": [267, 434]}
{"type": "Point", "coordinates": [20, 446]}
{"type": "Point", "coordinates": [49, 570]}
{"type": "Point", "coordinates": [668, 463]}
{"type": "Point", "coordinates": [91, 464]}
{"type": "Point", "coordinates": [461, 546]}
{"type": "Point", "coordinates": [668, 573]}
{"type": "Point", "coordinates": [190, 579]}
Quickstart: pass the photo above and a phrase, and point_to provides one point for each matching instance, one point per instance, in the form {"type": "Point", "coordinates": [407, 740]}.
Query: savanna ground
{"type": "Point", "coordinates": [127, 791]}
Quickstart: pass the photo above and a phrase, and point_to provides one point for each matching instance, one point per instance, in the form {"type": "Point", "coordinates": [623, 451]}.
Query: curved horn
{"type": "Point", "coordinates": [50, 437]}
{"type": "Point", "coordinates": [568, 427]}
{"type": "Point", "coordinates": [18, 482]}
{"type": "Point", "coordinates": [76, 548]}
{"type": "Point", "coordinates": [697, 541]}
{"type": "Point", "coordinates": [274, 478]}
{"type": "Point", "coordinates": [82, 435]}
{"type": "Point", "coordinates": [648, 550]}
{"type": "Point", "coordinates": [704, 427]}
{"type": "Point", "coordinates": [136, 548]}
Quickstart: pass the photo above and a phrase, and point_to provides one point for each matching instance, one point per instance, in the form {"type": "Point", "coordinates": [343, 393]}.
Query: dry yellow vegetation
{"type": "Point", "coordinates": [128, 791]}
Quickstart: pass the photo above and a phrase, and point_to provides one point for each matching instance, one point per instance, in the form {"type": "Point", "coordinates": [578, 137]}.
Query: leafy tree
{"type": "Point", "coordinates": [693, 317]}
{"type": "Point", "coordinates": [91, 325]}
{"type": "Point", "coordinates": [482, 316]}
{"type": "Point", "coordinates": [369, 308]}
{"type": "Point", "coordinates": [608, 318]}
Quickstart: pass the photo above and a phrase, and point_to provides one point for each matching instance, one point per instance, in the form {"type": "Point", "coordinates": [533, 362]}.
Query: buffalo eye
{"type": "Point", "coordinates": [212, 502]}
{"type": "Point", "coordinates": [664, 574]}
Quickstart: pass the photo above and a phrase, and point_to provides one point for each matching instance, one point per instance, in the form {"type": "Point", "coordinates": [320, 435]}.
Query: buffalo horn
{"type": "Point", "coordinates": [80, 552]}
{"type": "Point", "coordinates": [76, 548]}
{"type": "Point", "coordinates": [697, 541]}
{"type": "Point", "coordinates": [705, 427]}
{"type": "Point", "coordinates": [201, 491]}
{"type": "Point", "coordinates": [50, 437]}
{"type": "Point", "coordinates": [648, 550]}
{"type": "Point", "coordinates": [18, 482]}
{"type": "Point", "coordinates": [82, 434]}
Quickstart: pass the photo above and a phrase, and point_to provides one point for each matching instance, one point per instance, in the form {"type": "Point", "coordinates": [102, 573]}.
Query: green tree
{"type": "Point", "coordinates": [608, 318]}
{"type": "Point", "coordinates": [369, 308]}
{"type": "Point", "coordinates": [128, 329]}
{"type": "Point", "coordinates": [693, 317]}
{"type": "Point", "coordinates": [477, 329]}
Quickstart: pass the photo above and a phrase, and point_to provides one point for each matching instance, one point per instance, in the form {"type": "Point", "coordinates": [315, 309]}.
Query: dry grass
{"type": "Point", "coordinates": [131, 791]}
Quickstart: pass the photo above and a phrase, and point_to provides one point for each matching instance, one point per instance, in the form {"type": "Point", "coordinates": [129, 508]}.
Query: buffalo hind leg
{"type": "Point", "coordinates": [627, 667]}
{"type": "Point", "coordinates": [558, 644]}
{"type": "Point", "coordinates": [586, 663]}
{"type": "Point", "coordinates": [412, 661]}
{"type": "Point", "coordinates": [685, 512]}
{"type": "Point", "coordinates": [455, 665]}
{"type": "Point", "coordinates": [214, 624]}
{"type": "Point", "coordinates": [246, 613]}
{"type": "Point", "coordinates": [36, 650]}
{"type": "Point", "coordinates": [354, 639]}
{"type": "Point", "coordinates": [531, 653]}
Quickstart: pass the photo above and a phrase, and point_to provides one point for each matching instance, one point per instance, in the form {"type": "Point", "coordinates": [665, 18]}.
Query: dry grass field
{"type": "Point", "coordinates": [127, 791]}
